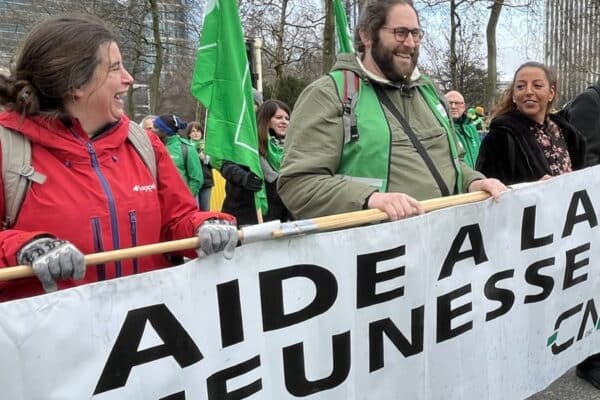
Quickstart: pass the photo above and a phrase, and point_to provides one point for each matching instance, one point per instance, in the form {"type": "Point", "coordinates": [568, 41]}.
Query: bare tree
{"type": "Point", "coordinates": [292, 37]}
{"type": "Point", "coordinates": [459, 9]}
{"type": "Point", "coordinates": [492, 49]}
{"type": "Point", "coordinates": [158, 59]}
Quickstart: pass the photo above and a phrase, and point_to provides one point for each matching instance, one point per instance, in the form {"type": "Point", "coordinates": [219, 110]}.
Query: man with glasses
{"type": "Point", "coordinates": [466, 132]}
{"type": "Point", "coordinates": [374, 132]}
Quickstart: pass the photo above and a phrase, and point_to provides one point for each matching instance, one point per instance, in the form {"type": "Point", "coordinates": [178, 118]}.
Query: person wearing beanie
{"type": "Point", "coordinates": [182, 151]}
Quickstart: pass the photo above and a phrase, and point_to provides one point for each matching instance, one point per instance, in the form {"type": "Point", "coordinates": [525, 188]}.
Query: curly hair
{"type": "Point", "coordinates": [372, 18]}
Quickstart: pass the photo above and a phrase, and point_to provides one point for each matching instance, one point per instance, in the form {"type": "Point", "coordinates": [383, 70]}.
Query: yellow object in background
{"type": "Point", "coordinates": [217, 195]}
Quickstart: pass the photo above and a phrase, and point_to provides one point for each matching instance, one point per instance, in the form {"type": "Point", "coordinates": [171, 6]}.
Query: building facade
{"type": "Point", "coordinates": [572, 39]}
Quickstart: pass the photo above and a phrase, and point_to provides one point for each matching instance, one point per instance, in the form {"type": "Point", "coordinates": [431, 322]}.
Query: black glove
{"type": "Point", "coordinates": [241, 176]}
{"type": "Point", "coordinates": [53, 259]}
{"type": "Point", "coordinates": [252, 182]}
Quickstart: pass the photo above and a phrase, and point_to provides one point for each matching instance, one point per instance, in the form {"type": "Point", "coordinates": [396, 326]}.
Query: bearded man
{"type": "Point", "coordinates": [374, 132]}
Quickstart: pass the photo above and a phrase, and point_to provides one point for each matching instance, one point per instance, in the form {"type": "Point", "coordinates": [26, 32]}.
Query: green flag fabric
{"type": "Point", "coordinates": [222, 83]}
{"type": "Point", "coordinates": [341, 27]}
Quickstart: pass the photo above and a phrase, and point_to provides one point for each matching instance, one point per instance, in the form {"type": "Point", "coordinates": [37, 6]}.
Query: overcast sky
{"type": "Point", "coordinates": [520, 34]}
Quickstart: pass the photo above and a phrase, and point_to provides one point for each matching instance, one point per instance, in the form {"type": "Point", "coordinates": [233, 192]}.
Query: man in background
{"type": "Point", "coordinates": [584, 114]}
{"type": "Point", "coordinates": [466, 132]}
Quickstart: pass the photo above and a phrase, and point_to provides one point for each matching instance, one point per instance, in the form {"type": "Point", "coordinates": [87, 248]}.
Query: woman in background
{"type": "Point", "coordinates": [196, 136]}
{"type": "Point", "coordinates": [272, 120]}
{"type": "Point", "coordinates": [182, 152]}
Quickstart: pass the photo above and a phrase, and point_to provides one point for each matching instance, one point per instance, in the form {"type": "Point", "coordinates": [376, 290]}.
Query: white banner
{"type": "Point", "coordinates": [492, 300]}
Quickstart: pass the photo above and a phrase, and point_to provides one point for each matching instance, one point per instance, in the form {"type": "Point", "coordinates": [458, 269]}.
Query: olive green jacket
{"type": "Point", "coordinates": [308, 184]}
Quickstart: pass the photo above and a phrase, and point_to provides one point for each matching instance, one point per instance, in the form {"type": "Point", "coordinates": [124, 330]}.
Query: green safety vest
{"type": "Point", "coordinates": [361, 160]}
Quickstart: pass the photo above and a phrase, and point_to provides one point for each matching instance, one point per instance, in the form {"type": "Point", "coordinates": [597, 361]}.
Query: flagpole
{"type": "Point", "coordinates": [256, 232]}
{"type": "Point", "coordinates": [341, 26]}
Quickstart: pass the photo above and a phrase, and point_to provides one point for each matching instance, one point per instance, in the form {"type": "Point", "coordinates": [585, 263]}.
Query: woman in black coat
{"type": "Point", "coordinates": [272, 120]}
{"type": "Point", "coordinates": [525, 142]}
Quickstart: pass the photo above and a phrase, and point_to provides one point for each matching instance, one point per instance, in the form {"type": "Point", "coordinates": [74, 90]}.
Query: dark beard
{"type": "Point", "coordinates": [384, 59]}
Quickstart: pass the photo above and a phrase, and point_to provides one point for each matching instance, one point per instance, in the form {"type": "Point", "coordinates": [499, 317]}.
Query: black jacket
{"type": "Point", "coordinates": [510, 152]}
{"type": "Point", "coordinates": [584, 114]}
{"type": "Point", "coordinates": [239, 201]}
{"type": "Point", "coordinates": [207, 174]}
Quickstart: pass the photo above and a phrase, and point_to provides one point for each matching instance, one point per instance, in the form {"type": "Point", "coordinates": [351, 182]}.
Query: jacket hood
{"type": "Point", "coordinates": [71, 142]}
{"type": "Point", "coordinates": [352, 62]}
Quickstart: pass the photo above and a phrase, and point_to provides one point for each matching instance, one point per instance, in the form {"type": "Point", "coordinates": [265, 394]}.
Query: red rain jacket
{"type": "Point", "coordinates": [100, 196]}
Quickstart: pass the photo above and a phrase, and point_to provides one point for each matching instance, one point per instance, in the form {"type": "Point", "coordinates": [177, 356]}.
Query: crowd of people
{"type": "Point", "coordinates": [93, 186]}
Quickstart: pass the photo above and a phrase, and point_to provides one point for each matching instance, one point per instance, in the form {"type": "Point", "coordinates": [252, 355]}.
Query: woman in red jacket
{"type": "Point", "coordinates": [66, 96]}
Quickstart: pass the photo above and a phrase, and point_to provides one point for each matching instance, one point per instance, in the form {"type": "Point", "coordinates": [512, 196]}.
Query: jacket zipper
{"type": "Point", "coordinates": [111, 203]}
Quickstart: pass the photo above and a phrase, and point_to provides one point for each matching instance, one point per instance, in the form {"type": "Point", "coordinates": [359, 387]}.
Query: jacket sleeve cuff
{"type": "Point", "coordinates": [15, 243]}
{"type": "Point", "coordinates": [203, 216]}
{"type": "Point", "coordinates": [470, 178]}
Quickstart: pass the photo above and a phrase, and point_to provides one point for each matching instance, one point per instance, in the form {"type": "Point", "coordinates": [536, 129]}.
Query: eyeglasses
{"type": "Point", "coordinates": [401, 33]}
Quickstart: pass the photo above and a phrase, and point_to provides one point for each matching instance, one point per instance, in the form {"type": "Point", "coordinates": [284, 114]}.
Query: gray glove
{"type": "Point", "coordinates": [52, 259]}
{"type": "Point", "coordinates": [216, 235]}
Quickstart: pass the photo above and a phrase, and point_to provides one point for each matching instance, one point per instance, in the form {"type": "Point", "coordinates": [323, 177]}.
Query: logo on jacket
{"type": "Point", "coordinates": [145, 188]}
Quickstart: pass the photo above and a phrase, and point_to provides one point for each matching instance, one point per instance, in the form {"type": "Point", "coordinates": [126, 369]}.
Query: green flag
{"type": "Point", "coordinates": [341, 27]}
{"type": "Point", "coordinates": [221, 82]}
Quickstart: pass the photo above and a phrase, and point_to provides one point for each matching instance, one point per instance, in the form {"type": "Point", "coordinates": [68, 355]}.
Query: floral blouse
{"type": "Point", "coordinates": [554, 146]}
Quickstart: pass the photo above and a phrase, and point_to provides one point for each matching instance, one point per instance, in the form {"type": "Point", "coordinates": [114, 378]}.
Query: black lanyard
{"type": "Point", "coordinates": [385, 100]}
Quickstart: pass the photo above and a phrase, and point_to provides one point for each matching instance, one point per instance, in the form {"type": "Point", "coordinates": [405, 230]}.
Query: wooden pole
{"type": "Point", "coordinates": [356, 218]}
{"type": "Point", "coordinates": [337, 221]}
{"type": "Point", "coordinates": [259, 217]}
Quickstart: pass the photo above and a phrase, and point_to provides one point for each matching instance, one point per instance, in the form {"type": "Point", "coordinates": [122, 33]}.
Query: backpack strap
{"type": "Point", "coordinates": [349, 97]}
{"type": "Point", "coordinates": [17, 173]}
{"type": "Point", "coordinates": [140, 140]}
